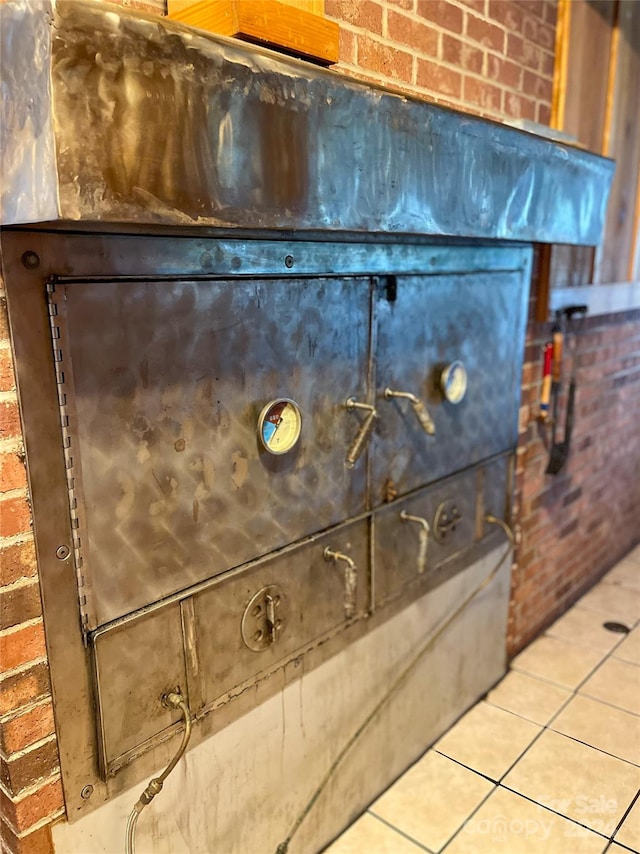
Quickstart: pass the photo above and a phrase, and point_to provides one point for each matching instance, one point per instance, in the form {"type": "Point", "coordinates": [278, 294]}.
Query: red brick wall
{"type": "Point", "coordinates": [491, 57]}
{"type": "Point", "coordinates": [578, 523]}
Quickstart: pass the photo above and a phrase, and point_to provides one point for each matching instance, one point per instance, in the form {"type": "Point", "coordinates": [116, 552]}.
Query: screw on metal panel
{"type": "Point", "coordinates": [63, 552]}
{"type": "Point", "coordinates": [86, 792]}
{"type": "Point", "coordinates": [288, 261]}
{"type": "Point", "coordinates": [31, 260]}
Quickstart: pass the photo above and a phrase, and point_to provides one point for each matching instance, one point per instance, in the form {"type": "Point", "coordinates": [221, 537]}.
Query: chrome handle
{"type": "Point", "coordinates": [423, 535]}
{"type": "Point", "coordinates": [350, 579]}
{"type": "Point", "coordinates": [362, 436]}
{"type": "Point", "coordinates": [421, 412]}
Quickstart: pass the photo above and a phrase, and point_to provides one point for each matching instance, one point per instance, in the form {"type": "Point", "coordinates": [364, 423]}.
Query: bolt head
{"type": "Point", "coordinates": [288, 261]}
{"type": "Point", "coordinates": [86, 792]}
{"type": "Point", "coordinates": [63, 552]}
{"type": "Point", "coordinates": [30, 260]}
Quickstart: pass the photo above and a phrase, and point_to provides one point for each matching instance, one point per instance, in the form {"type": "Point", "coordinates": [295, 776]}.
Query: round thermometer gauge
{"type": "Point", "coordinates": [279, 426]}
{"type": "Point", "coordinates": [453, 381]}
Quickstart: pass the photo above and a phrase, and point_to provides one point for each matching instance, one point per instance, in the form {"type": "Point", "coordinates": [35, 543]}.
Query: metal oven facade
{"type": "Point", "coordinates": [182, 520]}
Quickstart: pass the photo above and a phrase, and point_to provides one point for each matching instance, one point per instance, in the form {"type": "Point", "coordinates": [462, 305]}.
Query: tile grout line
{"type": "Point", "coordinates": [572, 693]}
{"type": "Point", "coordinates": [624, 817]}
{"type": "Point", "coordinates": [545, 728]}
{"type": "Point", "coordinates": [400, 832]}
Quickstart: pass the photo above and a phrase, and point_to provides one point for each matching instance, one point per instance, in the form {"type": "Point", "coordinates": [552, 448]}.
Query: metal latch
{"type": "Point", "coordinates": [420, 410]}
{"type": "Point", "coordinates": [363, 434]}
{"type": "Point", "coordinates": [446, 520]}
{"type": "Point", "coordinates": [264, 618]}
{"type": "Point", "coordinates": [350, 579]}
{"type": "Point", "coordinates": [423, 538]}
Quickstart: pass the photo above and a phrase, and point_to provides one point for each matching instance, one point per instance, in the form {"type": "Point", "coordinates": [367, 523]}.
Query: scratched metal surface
{"type": "Point", "coordinates": [153, 122]}
{"type": "Point", "coordinates": [314, 589]}
{"type": "Point", "coordinates": [165, 382]}
{"type": "Point", "coordinates": [477, 318]}
{"type": "Point", "coordinates": [397, 546]}
{"type": "Point", "coordinates": [134, 667]}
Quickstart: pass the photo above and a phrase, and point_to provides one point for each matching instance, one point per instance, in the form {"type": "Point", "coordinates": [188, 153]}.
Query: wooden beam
{"type": "Point", "coordinates": [559, 95]}
{"type": "Point", "coordinates": [268, 22]}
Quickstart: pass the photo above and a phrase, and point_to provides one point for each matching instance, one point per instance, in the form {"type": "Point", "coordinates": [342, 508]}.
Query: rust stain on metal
{"type": "Point", "coordinates": [240, 470]}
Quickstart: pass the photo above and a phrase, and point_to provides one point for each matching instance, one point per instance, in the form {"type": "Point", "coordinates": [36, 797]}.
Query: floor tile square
{"type": "Point", "coordinates": [575, 780]}
{"type": "Point", "coordinates": [488, 740]}
{"type": "Point", "coordinates": [511, 824]}
{"type": "Point", "coordinates": [629, 833]}
{"type": "Point", "coordinates": [528, 696]}
{"type": "Point", "coordinates": [615, 682]}
{"type": "Point", "coordinates": [421, 805]}
{"type": "Point", "coordinates": [613, 602]}
{"type": "Point", "coordinates": [602, 726]}
{"type": "Point", "coordinates": [557, 661]}
{"type": "Point", "coordinates": [373, 836]}
{"type": "Point", "coordinates": [625, 574]}
{"type": "Point", "coordinates": [584, 626]}
{"type": "Point", "coordinates": [629, 649]}
{"type": "Point", "coordinates": [634, 554]}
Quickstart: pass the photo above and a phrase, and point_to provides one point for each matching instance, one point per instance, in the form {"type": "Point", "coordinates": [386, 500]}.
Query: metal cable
{"type": "Point", "coordinates": [426, 646]}
{"type": "Point", "coordinates": [175, 701]}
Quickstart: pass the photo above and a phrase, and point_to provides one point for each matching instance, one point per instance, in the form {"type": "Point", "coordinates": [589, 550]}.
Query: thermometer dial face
{"type": "Point", "coordinates": [279, 426]}
{"type": "Point", "coordinates": [453, 381]}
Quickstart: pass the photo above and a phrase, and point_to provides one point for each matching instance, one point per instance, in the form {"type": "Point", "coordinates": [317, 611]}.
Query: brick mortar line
{"type": "Point", "coordinates": [488, 20]}
{"type": "Point", "coordinates": [467, 11]}
{"type": "Point", "coordinates": [411, 89]}
{"type": "Point", "coordinates": [14, 714]}
{"type": "Point", "coordinates": [19, 492]}
{"type": "Point", "coordinates": [504, 88]}
{"type": "Point", "coordinates": [31, 748]}
{"type": "Point", "coordinates": [42, 822]}
{"type": "Point", "coordinates": [436, 97]}
{"type": "Point", "coordinates": [11, 445]}
{"type": "Point", "coordinates": [33, 789]}
{"type": "Point", "coordinates": [12, 630]}
{"type": "Point", "coordinates": [23, 581]}
{"type": "Point", "coordinates": [8, 396]}
{"type": "Point", "coordinates": [22, 668]}
{"type": "Point", "coordinates": [22, 538]}
{"type": "Point", "coordinates": [439, 30]}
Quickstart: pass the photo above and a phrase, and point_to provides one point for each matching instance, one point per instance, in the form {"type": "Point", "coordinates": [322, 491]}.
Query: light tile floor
{"type": "Point", "coordinates": [547, 763]}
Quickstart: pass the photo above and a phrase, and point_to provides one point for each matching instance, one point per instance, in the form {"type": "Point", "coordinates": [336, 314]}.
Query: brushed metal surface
{"type": "Point", "coordinates": [315, 600]}
{"type": "Point", "coordinates": [163, 424]}
{"type": "Point", "coordinates": [127, 118]}
{"type": "Point", "coordinates": [478, 318]}
{"type": "Point", "coordinates": [497, 488]}
{"type": "Point", "coordinates": [135, 665]}
{"type": "Point", "coordinates": [98, 256]}
{"type": "Point", "coordinates": [397, 545]}
{"type": "Point", "coordinates": [91, 310]}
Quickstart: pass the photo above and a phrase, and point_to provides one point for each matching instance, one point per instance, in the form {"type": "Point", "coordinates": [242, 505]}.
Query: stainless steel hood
{"type": "Point", "coordinates": [106, 116]}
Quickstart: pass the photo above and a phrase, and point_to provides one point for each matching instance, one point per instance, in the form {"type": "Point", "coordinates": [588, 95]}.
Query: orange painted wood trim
{"type": "Point", "coordinates": [559, 94]}
{"type": "Point", "coordinates": [268, 22]}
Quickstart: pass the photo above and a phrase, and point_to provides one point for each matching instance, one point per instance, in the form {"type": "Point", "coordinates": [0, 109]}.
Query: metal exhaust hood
{"type": "Point", "coordinates": [111, 117]}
